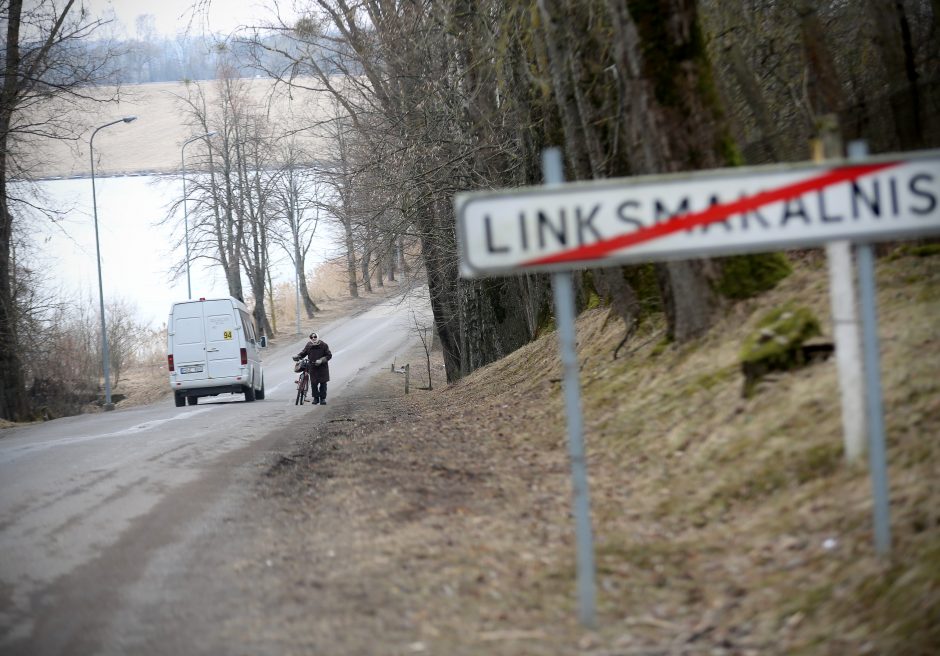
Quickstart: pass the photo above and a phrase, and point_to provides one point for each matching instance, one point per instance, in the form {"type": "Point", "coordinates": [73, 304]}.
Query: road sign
{"type": "Point", "coordinates": [701, 214]}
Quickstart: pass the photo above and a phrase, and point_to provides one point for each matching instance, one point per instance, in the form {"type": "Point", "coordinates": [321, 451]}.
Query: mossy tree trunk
{"type": "Point", "coordinates": [823, 89]}
{"type": "Point", "coordinates": [673, 112]}
{"type": "Point", "coordinates": [14, 403]}
{"type": "Point", "coordinates": [676, 123]}
{"type": "Point", "coordinates": [892, 37]}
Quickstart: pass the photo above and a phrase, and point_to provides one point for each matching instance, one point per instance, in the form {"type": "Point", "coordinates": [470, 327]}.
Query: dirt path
{"type": "Point", "coordinates": [379, 534]}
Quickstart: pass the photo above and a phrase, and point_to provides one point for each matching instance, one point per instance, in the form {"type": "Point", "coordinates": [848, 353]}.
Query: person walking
{"type": "Point", "coordinates": [318, 356]}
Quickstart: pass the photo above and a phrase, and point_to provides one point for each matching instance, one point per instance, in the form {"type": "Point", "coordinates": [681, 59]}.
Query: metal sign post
{"type": "Point", "coordinates": [877, 458]}
{"type": "Point", "coordinates": [563, 289]}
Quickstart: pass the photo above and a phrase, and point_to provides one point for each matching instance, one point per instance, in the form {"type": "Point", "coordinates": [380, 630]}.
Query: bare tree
{"type": "Point", "coordinates": [218, 226]}
{"type": "Point", "coordinates": [40, 63]}
{"type": "Point", "coordinates": [338, 175]}
{"type": "Point", "coordinates": [124, 336]}
{"type": "Point", "coordinates": [464, 94]}
{"type": "Point", "coordinates": [255, 186]}
{"type": "Point", "coordinates": [297, 198]}
{"type": "Point", "coordinates": [425, 334]}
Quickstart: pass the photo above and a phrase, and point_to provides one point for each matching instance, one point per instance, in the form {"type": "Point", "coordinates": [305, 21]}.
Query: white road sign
{"type": "Point", "coordinates": [707, 213]}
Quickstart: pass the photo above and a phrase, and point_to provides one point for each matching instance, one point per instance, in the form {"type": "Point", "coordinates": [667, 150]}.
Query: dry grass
{"type": "Point", "coordinates": [722, 525]}
{"type": "Point", "coordinates": [718, 507]}
{"type": "Point", "coordinates": [143, 384]}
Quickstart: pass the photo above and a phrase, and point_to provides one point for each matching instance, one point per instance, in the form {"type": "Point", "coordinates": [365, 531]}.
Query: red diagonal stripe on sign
{"type": "Point", "coordinates": [713, 214]}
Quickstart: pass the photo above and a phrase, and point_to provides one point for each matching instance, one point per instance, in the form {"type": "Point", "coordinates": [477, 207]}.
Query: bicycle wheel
{"type": "Point", "coordinates": [304, 379]}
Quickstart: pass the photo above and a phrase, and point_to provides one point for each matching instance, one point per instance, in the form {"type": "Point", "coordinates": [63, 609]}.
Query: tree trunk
{"type": "Point", "coordinates": [823, 88]}
{"type": "Point", "coordinates": [892, 36]}
{"type": "Point", "coordinates": [935, 43]}
{"type": "Point", "coordinates": [309, 305]}
{"type": "Point", "coordinates": [688, 299]}
{"type": "Point", "coordinates": [299, 265]}
{"type": "Point", "coordinates": [227, 234]}
{"type": "Point", "coordinates": [271, 302]}
{"type": "Point", "coordinates": [754, 97]}
{"type": "Point", "coordinates": [14, 403]}
{"type": "Point", "coordinates": [379, 267]}
{"type": "Point", "coordinates": [364, 265]}
{"type": "Point", "coordinates": [390, 259]}
{"type": "Point", "coordinates": [377, 255]}
{"type": "Point", "coordinates": [565, 95]}
{"type": "Point", "coordinates": [401, 253]}
{"type": "Point", "coordinates": [350, 255]}
{"type": "Point", "coordinates": [446, 317]}
{"type": "Point", "coordinates": [675, 115]}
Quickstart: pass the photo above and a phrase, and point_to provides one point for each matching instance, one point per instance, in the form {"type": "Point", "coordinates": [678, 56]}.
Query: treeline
{"type": "Point", "coordinates": [428, 99]}
{"type": "Point", "coordinates": [454, 95]}
{"type": "Point", "coordinates": [149, 56]}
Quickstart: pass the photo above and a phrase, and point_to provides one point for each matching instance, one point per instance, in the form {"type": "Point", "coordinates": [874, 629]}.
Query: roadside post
{"type": "Point", "coordinates": [877, 458]}
{"type": "Point", "coordinates": [846, 332]}
{"type": "Point", "coordinates": [561, 227]}
{"type": "Point", "coordinates": [563, 289]}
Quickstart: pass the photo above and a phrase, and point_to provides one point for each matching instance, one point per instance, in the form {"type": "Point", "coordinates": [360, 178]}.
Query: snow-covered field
{"type": "Point", "coordinates": [139, 247]}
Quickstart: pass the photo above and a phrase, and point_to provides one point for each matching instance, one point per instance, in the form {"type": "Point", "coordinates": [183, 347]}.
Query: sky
{"type": "Point", "coordinates": [173, 16]}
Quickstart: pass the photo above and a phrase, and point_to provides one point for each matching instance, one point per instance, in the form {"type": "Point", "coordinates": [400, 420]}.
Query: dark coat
{"type": "Point", "coordinates": [318, 373]}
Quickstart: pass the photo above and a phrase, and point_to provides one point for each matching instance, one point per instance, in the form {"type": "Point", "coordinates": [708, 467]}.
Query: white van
{"type": "Point", "coordinates": [212, 349]}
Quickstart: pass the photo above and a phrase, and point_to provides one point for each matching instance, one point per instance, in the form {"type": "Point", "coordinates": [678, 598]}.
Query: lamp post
{"type": "Point", "coordinates": [105, 356]}
{"type": "Point", "coordinates": [189, 287]}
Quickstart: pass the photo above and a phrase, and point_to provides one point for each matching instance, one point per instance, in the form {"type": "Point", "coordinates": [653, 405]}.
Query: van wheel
{"type": "Point", "coordinates": [180, 400]}
{"type": "Point", "coordinates": [250, 392]}
{"type": "Point", "coordinates": [260, 393]}
{"type": "Point", "coordinates": [192, 400]}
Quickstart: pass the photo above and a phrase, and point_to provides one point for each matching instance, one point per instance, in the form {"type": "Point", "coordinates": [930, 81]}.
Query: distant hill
{"type": "Point", "coordinates": [151, 144]}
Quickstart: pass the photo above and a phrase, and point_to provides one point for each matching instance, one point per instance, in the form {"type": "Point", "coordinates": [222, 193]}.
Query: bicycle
{"type": "Point", "coordinates": [302, 383]}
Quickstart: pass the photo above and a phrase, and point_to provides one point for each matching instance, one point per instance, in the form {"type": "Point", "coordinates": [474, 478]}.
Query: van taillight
{"type": "Point", "coordinates": [169, 362]}
{"type": "Point", "coordinates": [244, 356]}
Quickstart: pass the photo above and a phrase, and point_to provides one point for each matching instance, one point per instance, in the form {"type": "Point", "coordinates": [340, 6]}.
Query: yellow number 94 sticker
{"type": "Point", "coordinates": [227, 334]}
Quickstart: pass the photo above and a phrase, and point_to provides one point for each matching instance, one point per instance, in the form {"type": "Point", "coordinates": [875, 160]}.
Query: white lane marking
{"type": "Point", "coordinates": [17, 451]}
{"type": "Point", "coordinates": [147, 425]}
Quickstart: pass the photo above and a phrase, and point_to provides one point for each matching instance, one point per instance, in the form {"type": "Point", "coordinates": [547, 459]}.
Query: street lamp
{"type": "Point", "coordinates": [189, 288]}
{"type": "Point", "coordinates": [105, 357]}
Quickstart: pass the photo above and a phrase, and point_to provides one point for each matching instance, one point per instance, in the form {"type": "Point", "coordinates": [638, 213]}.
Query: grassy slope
{"type": "Point", "coordinates": [711, 511]}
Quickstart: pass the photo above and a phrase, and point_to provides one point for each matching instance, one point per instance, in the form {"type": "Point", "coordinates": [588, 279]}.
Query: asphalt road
{"type": "Point", "coordinates": [97, 512]}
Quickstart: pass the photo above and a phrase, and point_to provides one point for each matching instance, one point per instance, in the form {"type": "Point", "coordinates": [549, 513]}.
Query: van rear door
{"type": "Point", "coordinates": [189, 342]}
{"type": "Point", "coordinates": [222, 340]}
